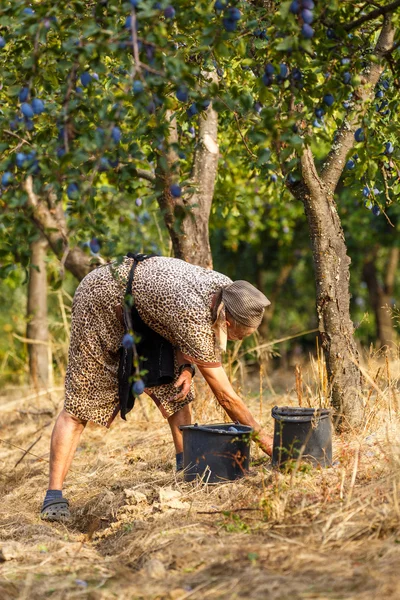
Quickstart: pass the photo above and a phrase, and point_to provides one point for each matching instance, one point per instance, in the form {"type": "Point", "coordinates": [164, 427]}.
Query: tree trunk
{"type": "Point", "coordinates": [187, 217]}
{"type": "Point", "coordinates": [37, 327]}
{"type": "Point", "coordinates": [332, 275]}
{"type": "Point", "coordinates": [380, 295]}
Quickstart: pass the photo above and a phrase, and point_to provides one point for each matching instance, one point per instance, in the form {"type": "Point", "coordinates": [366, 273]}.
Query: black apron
{"type": "Point", "coordinates": [156, 354]}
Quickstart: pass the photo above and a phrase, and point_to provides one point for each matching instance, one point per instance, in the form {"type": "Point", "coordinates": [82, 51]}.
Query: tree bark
{"type": "Point", "coordinates": [380, 295]}
{"type": "Point", "coordinates": [37, 327]}
{"type": "Point", "coordinates": [187, 217]}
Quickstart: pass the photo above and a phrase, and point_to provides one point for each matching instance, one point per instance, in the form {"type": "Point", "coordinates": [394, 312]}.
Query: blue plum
{"type": "Point", "coordinates": [328, 99]}
{"type": "Point", "coordinates": [94, 245]}
{"type": "Point", "coordinates": [86, 78]}
{"type": "Point", "coordinates": [23, 94]}
{"type": "Point", "coordinates": [192, 110]}
{"type": "Point", "coordinates": [128, 341]}
{"type": "Point", "coordinates": [138, 387]}
{"type": "Point", "coordinates": [72, 191]}
{"type": "Point", "coordinates": [137, 87]}
{"type": "Point", "coordinates": [27, 110]}
{"type": "Point", "coordinates": [307, 31]}
{"type": "Point", "coordinates": [20, 159]}
{"type": "Point", "coordinates": [359, 135]}
{"type": "Point", "coordinates": [230, 25]}
{"type": "Point", "coordinates": [307, 16]}
{"type": "Point", "coordinates": [169, 12]}
{"type": "Point", "coordinates": [37, 106]}
{"type": "Point", "coordinates": [346, 77]}
{"type": "Point", "coordinates": [389, 148]}
{"type": "Point", "coordinates": [182, 94]}
{"type": "Point", "coordinates": [176, 190]}
{"type": "Point", "coordinates": [233, 14]}
{"type": "Point", "coordinates": [376, 210]}
{"type": "Point", "coordinates": [269, 69]}
{"type": "Point", "coordinates": [6, 178]}
{"type": "Point", "coordinates": [116, 135]}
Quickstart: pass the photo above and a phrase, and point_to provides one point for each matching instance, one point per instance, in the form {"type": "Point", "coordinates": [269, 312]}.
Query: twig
{"type": "Point", "coordinates": [17, 136]}
{"type": "Point", "coordinates": [23, 450]}
{"type": "Point", "coordinates": [43, 411]}
{"type": "Point", "coordinates": [135, 48]}
{"type": "Point", "coordinates": [372, 15]}
{"type": "Point", "coordinates": [238, 125]}
{"type": "Point", "coordinates": [27, 451]}
{"type": "Point", "coordinates": [270, 344]}
{"type": "Point", "coordinates": [227, 510]}
{"type": "Point", "coordinates": [385, 182]}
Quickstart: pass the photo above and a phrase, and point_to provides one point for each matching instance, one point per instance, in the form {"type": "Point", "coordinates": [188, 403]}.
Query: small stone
{"type": "Point", "coordinates": [155, 569]}
{"type": "Point", "coordinates": [135, 497]}
{"type": "Point", "coordinates": [11, 550]}
{"type": "Point", "coordinates": [177, 594]}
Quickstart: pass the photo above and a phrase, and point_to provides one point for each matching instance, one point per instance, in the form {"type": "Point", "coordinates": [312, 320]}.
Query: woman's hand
{"type": "Point", "coordinates": [234, 406]}
{"type": "Point", "coordinates": [184, 380]}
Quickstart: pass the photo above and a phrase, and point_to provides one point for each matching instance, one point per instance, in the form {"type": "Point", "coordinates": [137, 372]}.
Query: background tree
{"type": "Point", "coordinates": [37, 330]}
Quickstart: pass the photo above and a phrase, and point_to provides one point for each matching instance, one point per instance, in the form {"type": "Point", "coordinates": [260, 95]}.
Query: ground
{"type": "Point", "coordinates": [140, 532]}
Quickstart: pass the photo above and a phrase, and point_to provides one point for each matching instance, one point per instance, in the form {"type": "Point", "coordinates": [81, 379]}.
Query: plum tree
{"type": "Point", "coordinates": [123, 132]}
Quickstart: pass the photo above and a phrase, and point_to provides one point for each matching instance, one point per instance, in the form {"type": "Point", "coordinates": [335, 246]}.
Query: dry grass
{"type": "Point", "coordinates": [313, 534]}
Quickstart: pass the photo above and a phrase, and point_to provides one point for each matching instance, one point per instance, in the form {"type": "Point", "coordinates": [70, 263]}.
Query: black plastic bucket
{"type": "Point", "coordinates": [216, 453]}
{"type": "Point", "coordinates": [302, 432]}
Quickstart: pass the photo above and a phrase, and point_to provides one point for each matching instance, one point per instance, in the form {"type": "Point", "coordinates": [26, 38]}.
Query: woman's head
{"type": "Point", "coordinates": [235, 330]}
{"type": "Point", "coordinates": [238, 309]}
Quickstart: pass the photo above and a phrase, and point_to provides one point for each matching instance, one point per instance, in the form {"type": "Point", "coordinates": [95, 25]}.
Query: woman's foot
{"type": "Point", "coordinates": [55, 507]}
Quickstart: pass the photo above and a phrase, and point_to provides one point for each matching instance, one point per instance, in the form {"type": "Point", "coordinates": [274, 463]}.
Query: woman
{"type": "Point", "coordinates": [194, 309]}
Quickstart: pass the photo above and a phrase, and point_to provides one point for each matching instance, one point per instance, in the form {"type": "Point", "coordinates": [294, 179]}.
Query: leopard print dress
{"type": "Point", "coordinates": [172, 297]}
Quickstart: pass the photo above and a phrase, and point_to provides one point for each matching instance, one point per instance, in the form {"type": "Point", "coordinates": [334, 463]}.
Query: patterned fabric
{"type": "Point", "coordinates": [172, 297]}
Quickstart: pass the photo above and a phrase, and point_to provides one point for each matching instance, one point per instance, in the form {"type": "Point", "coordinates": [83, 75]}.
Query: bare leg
{"type": "Point", "coordinates": [182, 417]}
{"type": "Point", "coordinates": [64, 440]}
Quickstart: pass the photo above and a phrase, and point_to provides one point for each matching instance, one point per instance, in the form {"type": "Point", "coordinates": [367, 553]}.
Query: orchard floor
{"type": "Point", "coordinates": [139, 532]}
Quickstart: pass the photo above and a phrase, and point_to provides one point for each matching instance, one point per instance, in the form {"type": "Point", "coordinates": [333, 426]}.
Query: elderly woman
{"type": "Point", "coordinates": [190, 310]}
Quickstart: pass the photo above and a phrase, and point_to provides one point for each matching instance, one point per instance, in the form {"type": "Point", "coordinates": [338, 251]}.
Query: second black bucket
{"type": "Point", "coordinates": [217, 452]}
{"type": "Point", "coordinates": [302, 431]}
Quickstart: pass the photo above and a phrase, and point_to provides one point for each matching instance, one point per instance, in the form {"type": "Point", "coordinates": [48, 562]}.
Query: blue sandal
{"type": "Point", "coordinates": [55, 510]}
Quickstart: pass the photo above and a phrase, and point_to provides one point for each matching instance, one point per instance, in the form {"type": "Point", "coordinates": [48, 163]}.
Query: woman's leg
{"type": "Point", "coordinates": [181, 417]}
{"type": "Point", "coordinates": [64, 441]}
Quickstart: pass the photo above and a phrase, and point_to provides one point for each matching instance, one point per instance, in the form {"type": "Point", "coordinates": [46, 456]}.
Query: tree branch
{"type": "Point", "coordinates": [333, 167]}
{"type": "Point", "coordinates": [143, 174]}
{"type": "Point", "coordinates": [55, 230]}
{"type": "Point", "coordinates": [309, 172]}
{"type": "Point", "coordinates": [383, 10]}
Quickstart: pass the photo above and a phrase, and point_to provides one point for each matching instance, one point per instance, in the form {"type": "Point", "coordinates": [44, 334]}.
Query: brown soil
{"type": "Point", "coordinates": [139, 532]}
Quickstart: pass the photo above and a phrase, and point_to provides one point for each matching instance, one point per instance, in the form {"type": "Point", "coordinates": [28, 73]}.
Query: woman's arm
{"type": "Point", "coordinates": [233, 405]}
